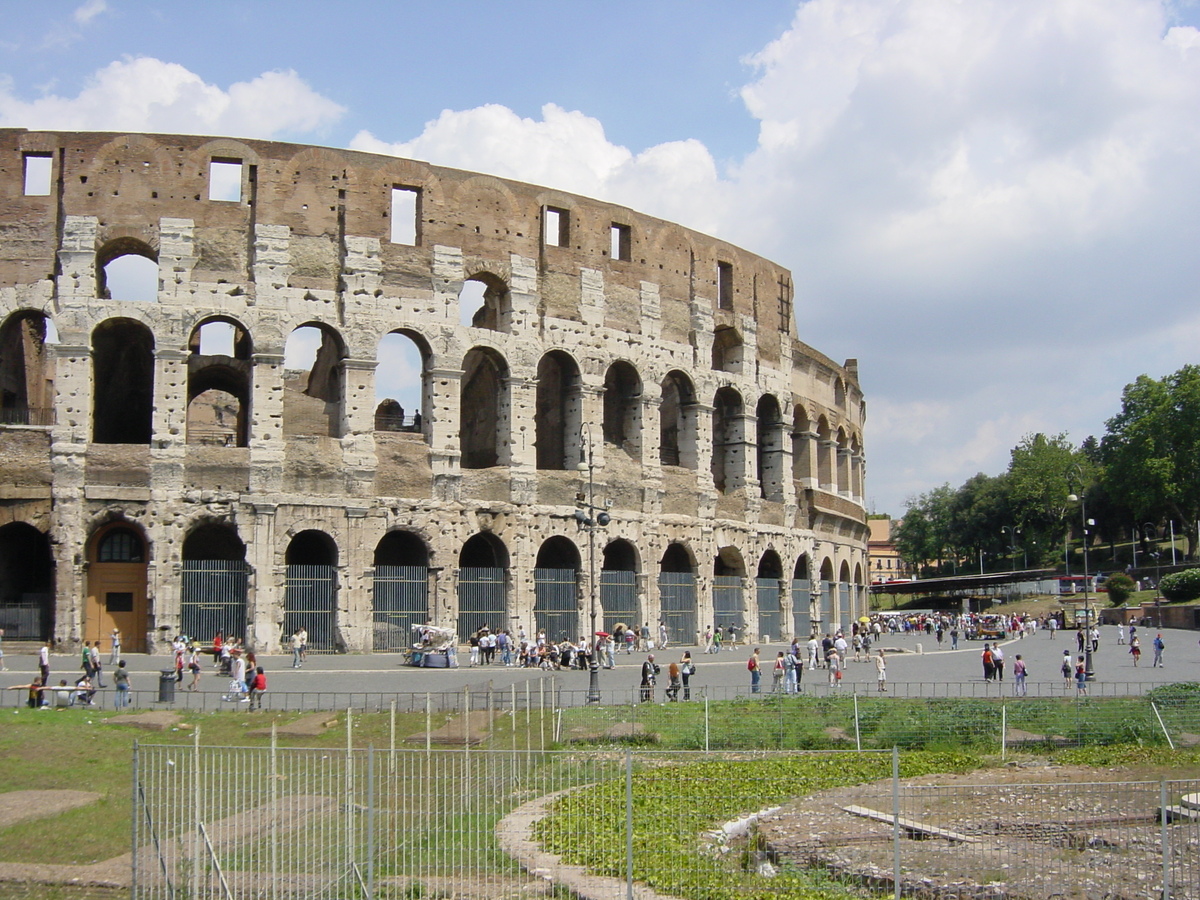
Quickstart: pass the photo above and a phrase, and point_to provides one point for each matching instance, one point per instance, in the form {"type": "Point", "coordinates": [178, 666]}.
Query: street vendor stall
{"type": "Point", "coordinates": [433, 648]}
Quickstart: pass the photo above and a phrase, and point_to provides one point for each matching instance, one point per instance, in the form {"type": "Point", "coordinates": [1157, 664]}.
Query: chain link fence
{"type": "Point", "coordinates": [365, 823]}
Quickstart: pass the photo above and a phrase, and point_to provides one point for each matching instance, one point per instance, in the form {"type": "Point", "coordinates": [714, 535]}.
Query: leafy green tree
{"type": "Point", "coordinates": [925, 535]}
{"type": "Point", "coordinates": [1043, 471]}
{"type": "Point", "coordinates": [1151, 450]}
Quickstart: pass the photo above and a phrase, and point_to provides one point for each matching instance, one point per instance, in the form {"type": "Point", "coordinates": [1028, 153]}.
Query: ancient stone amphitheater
{"type": "Point", "coordinates": [197, 433]}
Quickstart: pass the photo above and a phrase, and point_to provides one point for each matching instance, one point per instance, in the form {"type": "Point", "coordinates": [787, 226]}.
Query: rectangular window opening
{"type": "Point", "coordinates": [622, 242]}
{"type": "Point", "coordinates": [225, 180]}
{"type": "Point", "coordinates": [405, 213]}
{"type": "Point", "coordinates": [724, 285]}
{"type": "Point", "coordinates": [39, 167]}
{"type": "Point", "coordinates": [557, 223]}
{"type": "Point", "coordinates": [118, 601]}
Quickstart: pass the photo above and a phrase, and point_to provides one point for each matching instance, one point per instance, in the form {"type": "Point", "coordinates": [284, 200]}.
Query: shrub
{"type": "Point", "coordinates": [1183, 585]}
{"type": "Point", "coordinates": [1119, 586]}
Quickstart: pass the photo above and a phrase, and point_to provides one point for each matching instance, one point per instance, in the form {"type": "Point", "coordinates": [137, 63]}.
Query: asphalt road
{"type": "Point", "coordinates": [916, 666]}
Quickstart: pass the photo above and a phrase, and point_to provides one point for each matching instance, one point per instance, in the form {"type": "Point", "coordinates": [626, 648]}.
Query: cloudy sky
{"type": "Point", "coordinates": [994, 205]}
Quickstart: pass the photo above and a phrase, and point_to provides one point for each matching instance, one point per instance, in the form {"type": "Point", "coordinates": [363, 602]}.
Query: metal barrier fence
{"type": "Point", "coordinates": [274, 822]}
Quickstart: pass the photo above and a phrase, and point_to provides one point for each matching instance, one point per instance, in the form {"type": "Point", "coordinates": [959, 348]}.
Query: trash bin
{"type": "Point", "coordinates": [166, 686]}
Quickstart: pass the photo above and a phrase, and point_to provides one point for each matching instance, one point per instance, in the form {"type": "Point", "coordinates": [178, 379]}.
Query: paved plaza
{"type": "Point", "coordinates": [916, 666]}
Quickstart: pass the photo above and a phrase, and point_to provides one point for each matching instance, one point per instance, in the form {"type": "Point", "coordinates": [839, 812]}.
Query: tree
{"type": "Point", "coordinates": [1151, 450]}
{"type": "Point", "coordinates": [925, 534]}
{"type": "Point", "coordinates": [1043, 471]}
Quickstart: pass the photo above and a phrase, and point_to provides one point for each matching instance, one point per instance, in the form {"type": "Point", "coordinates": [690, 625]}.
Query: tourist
{"type": "Point", "coordinates": [989, 664]}
{"type": "Point", "coordinates": [778, 670]}
{"type": "Point", "coordinates": [687, 669]}
{"type": "Point", "coordinates": [1159, 646]}
{"type": "Point", "coordinates": [1019, 673]}
{"type": "Point", "coordinates": [755, 671]}
{"type": "Point", "coordinates": [257, 688]}
{"type": "Point", "coordinates": [1135, 649]}
{"type": "Point", "coordinates": [121, 681]}
{"type": "Point", "coordinates": [881, 670]}
{"type": "Point", "coordinates": [649, 674]}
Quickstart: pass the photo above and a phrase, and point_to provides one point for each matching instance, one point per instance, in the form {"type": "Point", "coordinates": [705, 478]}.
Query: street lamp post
{"type": "Point", "coordinates": [1012, 531]}
{"type": "Point", "coordinates": [1087, 600]}
{"type": "Point", "coordinates": [590, 518]}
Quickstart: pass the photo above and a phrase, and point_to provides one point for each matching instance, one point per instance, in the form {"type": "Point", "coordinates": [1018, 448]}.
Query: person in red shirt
{"type": "Point", "coordinates": [258, 687]}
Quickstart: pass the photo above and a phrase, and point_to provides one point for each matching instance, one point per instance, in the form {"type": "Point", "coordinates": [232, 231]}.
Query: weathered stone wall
{"type": "Point", "coordinates": [308, 243]}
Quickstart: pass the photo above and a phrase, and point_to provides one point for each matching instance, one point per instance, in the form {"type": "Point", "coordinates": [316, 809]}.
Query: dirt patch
{"type": "Point", "coordinates": [1018, 832]}
{"type": "Point", "coordinates": [471, 728]}
{"type": "Point", "coordinates": [152, 720]}
{"type": "Point", "coordinates": [20, 806]}
{"type": "Point", "coordinates": [305, 726]}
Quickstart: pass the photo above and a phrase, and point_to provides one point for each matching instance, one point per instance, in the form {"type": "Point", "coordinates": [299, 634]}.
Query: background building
{"type": "Point", "coordinates": [163, 471]}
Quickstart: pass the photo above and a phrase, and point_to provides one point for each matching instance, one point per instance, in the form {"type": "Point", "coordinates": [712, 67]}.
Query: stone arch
{"type": "Point", "coordinates": [768, 594]}
{"type": "Point", "coordinates": [728, 441]}
{"type": "Point", "coordinates": [843, 478]}
{"type": "Point", "coordinates": [802, 445]}
{"type": "Point", "coordinates": [556, 589]}
{"type": "Point", "coordinates": [619, 595]}
{"type": "Point", "coordinates": [215, 582]}
{"type": "Point", "coordinates": [622, 407]}
{"type": "Point", "coordinates": [558, 416]}
{"type": "Point", "coordinates": [402, 384]}
{"type": "Point", "coordinates": [400, 589]}
{"type": "Point", "coordinates": [845, 599]}
{"type": "Point", "coordinates": [26, 369]}
{"type": "Point", "coordinates": [677, 593]}
{"type": "Point", "coordinates": [678, 421]}
{"type": "Point", "coordinates": [27, 583]}
{"type": "Point", "coordinates": [314, 381]}
{"type": "Point", "coordinates": [127, 269]}
{"type": "Point", "coordinates": [728, 581]}
{"type": "Point", "coordinates": [220, 384]}
{"type": "Point", "coordinates": [485, 301]}
{"type": "Point", "coordinates": [769, 446]}
{"type": "Point", "coordinates": [117, 595]}
{"type": "Point", "coordinates": [803, 620]}
{"type": "Point", "coordinates": [826, 448]}
{"type": "Point", "coordinates": [727, 349]}
{"type": "Point", "coordinates": [310, 589]}
{"type": "Point", "coordinates": [122, 382]}
{"type": "Point", "coordinates": [828, 602]}
{"type": "Point", "coordinates": [482, 584]}
{"type": "Point", "coordinates": [484, 409]}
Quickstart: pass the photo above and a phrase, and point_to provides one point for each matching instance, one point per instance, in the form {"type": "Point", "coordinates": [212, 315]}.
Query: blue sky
{"type": "Point", "coordinates": [991, 204]}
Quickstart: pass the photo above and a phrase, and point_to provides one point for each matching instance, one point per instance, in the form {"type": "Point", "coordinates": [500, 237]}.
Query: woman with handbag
{"type": "Point", "coordinates": [686, 670]}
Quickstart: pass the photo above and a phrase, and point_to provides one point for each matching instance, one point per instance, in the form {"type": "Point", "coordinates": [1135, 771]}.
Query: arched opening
{"type": "Point", "coordinates": [727, 350]}
{"type": "Point", "coordinates": [557, 418]}
{"type": "Point", "coordinates": [556, 590]}
{"type": "Point", "coordinates": [26, 583]}
{"type": "Point", "coordinates": [802, 620]}
{"type": "Point", "coordinates": [677, 594]}
{"type": "Point", "coordinates": [310, 590]}
{"type": "Point", "coordinates": [485, 302]}
{"type": "Point", "coordinates": [845, 598]}
{"type": "Point", "coordinates": [801, 447]}
{"type": "Point", "coordinates": [215, 583]}
{"type": "Point", "coordinates": [768, 595]}
{"type": "Point", "coordinates": [400, 593]}
{"type": "Point", "coordinates": [122, 382]}
{"type": "Point", "coordinates": [484, 410]}
{"type": "Point", "coordinates": [622, 407]}
{"type": "Point", "coordinates": [728, 445]}
{"type": "Point", "coordinates": [127, 269]}
{"type": "Point", "coordinates": [313, 382]}
{"type": "Point", "coordinates": [828, 613]}
{"type": "Point", "coordinates": [219, 384]}
{"type": "Point", "coordinates": [729, 604]}
{"type": "Point", "coordinates": [400, 383]}
{"type": "Point", "coordinates": [769, 456]}
{"type": "Point", "coordinates": [677, 422]}
{"type": "Point", "coordinates": [116, 586]}
{"type": "Point", "coordinates": [482, 585]}
{"type": "Point", "coordinates": [843, 463]}
{"type": "Point", "coordinates": [618, 585]}
{"type": "Point", "coordinates": [826, 449]}
{"type": "Point", "coordinates": [26, 370]}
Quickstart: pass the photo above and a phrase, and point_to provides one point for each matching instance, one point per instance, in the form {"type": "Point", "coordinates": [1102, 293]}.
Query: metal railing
{"type": "Point", "coordinates": [272, 822]}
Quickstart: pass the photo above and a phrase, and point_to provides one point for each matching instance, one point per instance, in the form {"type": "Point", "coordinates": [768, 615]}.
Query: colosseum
{"type": "Point", "coordinates": [590, 415]}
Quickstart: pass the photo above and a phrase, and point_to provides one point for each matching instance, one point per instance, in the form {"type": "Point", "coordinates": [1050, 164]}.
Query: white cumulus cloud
{"type": "Point", "coordinates": [146, 94]}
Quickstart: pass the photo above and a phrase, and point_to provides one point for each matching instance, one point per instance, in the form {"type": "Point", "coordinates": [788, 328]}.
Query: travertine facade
{"type": "Point", "coordinates": [151, 484]}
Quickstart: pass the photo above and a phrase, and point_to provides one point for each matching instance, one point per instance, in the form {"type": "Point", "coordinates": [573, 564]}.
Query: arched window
{"type": "Point", "coordinates": [400, 383]}
{"type": "Point", "coordinates": [727, 350]}
{"type": "Point", "coordinates": [400, 590]}
{"type": "Point", "coordinates": [618, 585]}
{"type": "Point", "coordinates": [728, 446]}
{"type": "Point", "coordinates": [127, 269]}
{"type": "Point", "coordinates": [214, 583]}
{"type": "Point", "coordinates": [122, 382]}
{"type": "Point", "coordinates": [27, 370]}
{"type": "Point", "coordinates": [310, 589]}
{"type": "Point", "coordinates": [622, 409]}
{"type": "Point", "coordinates": [314, 376]}
{"type": "Point", "coordinates": [485, 302]}
{"type": "Point", "coordinates": [484, 409]}
{"type": "Point", "coordinates": [219, 384]}
{"type": "Point", "coordinates": [677, 422]}
{"type": "Point", "coordinates": [482, 585]}
{"type": "Point", "coordinates": [556, 589]}
{"type": "Point", "coordinates": [557, 418]}
{"type": "Point", "coordinates": [121, 545]}
{"type": "Point", "coordinates": [769, 458]}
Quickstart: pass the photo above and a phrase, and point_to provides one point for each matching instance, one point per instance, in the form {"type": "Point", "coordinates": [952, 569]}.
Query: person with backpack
{"type": "Point", "coordinates": [777, 673]}
{"type": "Point", "coordinates": [755, 672]}
{"type": "Point", "coordinates": [1159, 646]}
